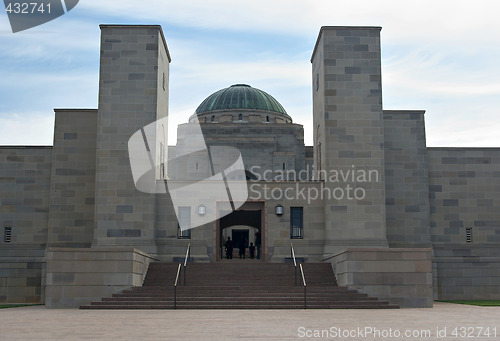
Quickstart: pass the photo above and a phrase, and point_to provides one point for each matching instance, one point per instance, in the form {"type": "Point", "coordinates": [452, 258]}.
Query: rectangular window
{"type": "Point", "coordinates": [318, 152]}
{"type": "Point", "coordinates": [468, 234]}
{"type": "Point", "coordinates": [184, 220]}
{"type": "Point", "coordinates": [7, 234]}
{"type": "Point", "coordinates": [296, 222]}
{"type": "Point", "coordinates": [162, 161]}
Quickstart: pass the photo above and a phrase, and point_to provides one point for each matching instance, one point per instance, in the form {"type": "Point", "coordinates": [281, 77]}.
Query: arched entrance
{"type": "Point", "coordinates": [244, 226]}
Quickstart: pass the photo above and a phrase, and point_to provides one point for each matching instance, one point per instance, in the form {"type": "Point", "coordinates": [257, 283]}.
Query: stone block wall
{"type": "Point", "coordinates": [133, 92]}
{"type": "Point", "coordinates": [271, 140]}
{"type": "Point", "coordinates": [276, 238]}
{"type": "Point", "coordinates": [172, 248]}
{"type": "Point", "coordinates": [22, 274]}
{"type": "Point", "coordinates": [467, 272]}
{"type": "Point", "coordinates": [24, 193]}
{"type": "Point", "coordinates": [78, 276]}
{"type": "Point", "coordinates": [464, 184]}
{"type": "Point", "coordinates": [403, 276]}
{"type": "Point", "coordinates": [72, 186]}
{"type": "Point", "coordinates": [349, 131]}
{"type": "Point", "coordinates": [24, 207]}
{"type": "Point", "coordinates": [406, 179]}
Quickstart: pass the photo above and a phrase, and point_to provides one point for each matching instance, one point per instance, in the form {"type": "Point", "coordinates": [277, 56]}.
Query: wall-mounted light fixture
{"type": "Point", "coordinates": [202, 210]}
{"type": "Point", "coordinates": [279, 210]}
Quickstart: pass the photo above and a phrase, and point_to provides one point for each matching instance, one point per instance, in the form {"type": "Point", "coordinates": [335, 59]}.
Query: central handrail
{"type": "Point", "coordinates": [179, 272]}
{"type": "Point", "coordinates": [186, 260]}
{"type": "Point", "coordinates": [175, 285]}
{"type": "Point", "coordinates": [305, 286]}
{"type": "Point", "coordinates": [302, 274]}
{"type": "Point", "coordinates": [187, 254]}
{"type": "Point", "coordinates": [294, 262]}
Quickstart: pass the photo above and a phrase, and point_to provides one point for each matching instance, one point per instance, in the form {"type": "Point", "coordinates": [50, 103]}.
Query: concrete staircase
{"type": "Point", "coordinates": [240, 284]}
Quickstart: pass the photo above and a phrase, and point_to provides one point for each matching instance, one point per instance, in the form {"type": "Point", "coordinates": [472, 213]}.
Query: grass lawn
{"type": "Point", "coordinates": [4, 306]}
{"type": "Point", "coordinates": [477, 303]}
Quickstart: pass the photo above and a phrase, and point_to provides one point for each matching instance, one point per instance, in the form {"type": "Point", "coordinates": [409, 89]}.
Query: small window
{"type": "Point", "coordinates": [284, 166]}
{"type": "Point", "coordinates": [186, 234]}
{"type": "Point", "coordinates": [7, 234]}
{"type": "Point", "coordinates": [468, 234]}
{"type": "Point", "coordinates": [296, 222]}
{"type": "Point", "coordinates": [184, 220]}
{"type": "Point", "coordinates": [196, 165]}
{"type": "Point", "coordinates": [267, 118]}
{"type": "Point", "coordinates": [162, 161]}
{"type": "Point", "coordinates": [317, 81]}
{"type": "Point", "coordinates": [213, 118]}
{"type": "Point", "coordinates": [240, 117]}
{"type": "Point", "coordinates": [318, 156]}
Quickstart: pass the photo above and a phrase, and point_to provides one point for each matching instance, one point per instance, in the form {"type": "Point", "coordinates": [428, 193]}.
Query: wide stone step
{"type": "Point", "coordinates": [252, 295]}
{"type": "Point", "coordinates": [239, 285]}
{"type": "Point", "coordinates": [246, 306]}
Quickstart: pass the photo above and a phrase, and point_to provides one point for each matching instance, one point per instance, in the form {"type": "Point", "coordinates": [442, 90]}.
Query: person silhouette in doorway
{"type": "Point", "coordinates": [258, 244]}
{"type": "Point", "coordinates": [252, 251]}
{"type": "Point", "coordinates": [229, 248]}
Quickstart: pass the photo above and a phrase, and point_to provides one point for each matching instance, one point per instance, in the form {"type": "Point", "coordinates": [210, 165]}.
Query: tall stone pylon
{"type": "Point", "coordinates": [133, 92]}
{"type": "Point", "coordinates": [349, 136]}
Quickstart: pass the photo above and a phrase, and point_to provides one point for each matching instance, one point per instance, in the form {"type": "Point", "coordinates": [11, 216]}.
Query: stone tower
{"type": "Point", "coordinates": [133, 92]}
{"type": "Point", "coordinates": [349, 137]}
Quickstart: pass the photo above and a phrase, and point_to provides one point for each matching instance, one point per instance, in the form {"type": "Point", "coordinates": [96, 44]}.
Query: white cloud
{"type": "Point", "coordinates": [438, 56]}
{"type": "Point", "coordinates": [27, 128]}
{"type": "Point", "coordinates": [403, 21]}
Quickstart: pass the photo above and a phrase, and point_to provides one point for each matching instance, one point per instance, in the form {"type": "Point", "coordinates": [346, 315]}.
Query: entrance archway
{"type": "Point", "coordinates": [245, 225]}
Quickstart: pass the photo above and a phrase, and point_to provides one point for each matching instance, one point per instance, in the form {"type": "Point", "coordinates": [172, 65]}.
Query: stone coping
{"type": "Point", "coordinates": [350, 28]}
{"type": "Point", "coordinates": [103, 249]}
{"type": "Point", "coordinates": [142, 26]}
{"type": "Point", "coordinates": [25, 147]}
{"type": "Point", "coordinates": [75, 110]}
{"type": "Point", "coordinates": [394, 249]}
{"type": "Point", "coordinates": [465, 149]}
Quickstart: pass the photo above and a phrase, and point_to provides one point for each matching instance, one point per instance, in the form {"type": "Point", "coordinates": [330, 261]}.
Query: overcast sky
{"type": "Point", "coordinates": [438, 56]}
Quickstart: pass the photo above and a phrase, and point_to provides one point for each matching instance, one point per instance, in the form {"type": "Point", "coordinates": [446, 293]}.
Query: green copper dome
{"type": "Point", "coordinates": [240, 96]}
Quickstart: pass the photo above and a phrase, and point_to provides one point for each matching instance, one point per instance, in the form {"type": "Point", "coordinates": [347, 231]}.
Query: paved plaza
{"type": "Point", "coordinates": [38, 323]}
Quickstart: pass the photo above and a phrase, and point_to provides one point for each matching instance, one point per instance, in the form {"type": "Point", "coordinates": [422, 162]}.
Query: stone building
{"type": "Point", "coordinates": [395, 218]}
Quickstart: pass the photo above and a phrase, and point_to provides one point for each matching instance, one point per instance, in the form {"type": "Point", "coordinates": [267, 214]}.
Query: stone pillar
{"type": "Point", "coordinates": [133, 92]}
{"type": "Point", "coordinates": [349, 137]}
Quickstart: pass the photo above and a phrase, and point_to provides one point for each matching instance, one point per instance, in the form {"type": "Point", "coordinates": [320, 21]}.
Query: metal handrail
{"type": "Point", "coordinates": [186, 260]}
{"type": "Point", "coordinates": [305, 286]}
{"type": "Point", "coordinates": [294, 262]}
{"type": "Point", "coordinates": [187, 254]}
{"type": "Point", "coordinates": [175, 285]}
{"type": "Point", "coordinates": [301, 272]}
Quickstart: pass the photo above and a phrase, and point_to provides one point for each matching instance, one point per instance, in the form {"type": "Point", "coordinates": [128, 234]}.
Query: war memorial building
{"type": "Point", "coordinates": [394, 218]}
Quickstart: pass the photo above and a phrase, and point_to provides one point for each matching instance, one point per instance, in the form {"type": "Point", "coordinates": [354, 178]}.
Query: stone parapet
{"type": "Point", "coordinates": [403, 276]}
{"type": "Point", "coordinates": [77, 276]}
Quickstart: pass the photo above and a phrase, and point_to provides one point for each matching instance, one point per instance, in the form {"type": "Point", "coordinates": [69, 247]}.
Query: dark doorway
{"type": "Point", "coordinates": [240, 237]}
{"type": "Point", "coordinates": [237, 221]}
